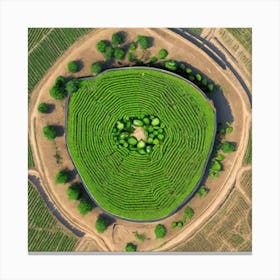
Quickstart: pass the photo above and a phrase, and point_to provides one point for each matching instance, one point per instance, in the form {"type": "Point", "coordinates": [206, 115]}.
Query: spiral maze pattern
{"type": "Point", "coordinates": [125, 183]}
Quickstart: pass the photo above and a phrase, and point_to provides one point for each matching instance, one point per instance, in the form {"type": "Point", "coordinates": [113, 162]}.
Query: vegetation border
{"type": "Point", "coordinates": [189, 197]}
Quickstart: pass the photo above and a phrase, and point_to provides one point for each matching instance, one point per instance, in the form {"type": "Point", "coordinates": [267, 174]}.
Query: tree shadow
{"type": "Point", "coordinates": [109, 220]}
{"type": "Point", "coordinates": [50, 108]}
{"type": "Point", "coordinates": [59, 129]}
{"type": "Point", "coordinates": [80, 64]}
{"type": "Point", "coordinates": [150, 41]}
{"type": "Point", "coordinates": [123, 34]}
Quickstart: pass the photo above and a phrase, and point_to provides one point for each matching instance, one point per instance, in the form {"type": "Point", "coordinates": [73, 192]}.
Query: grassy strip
{"type": "Point", "coordinates": [30, 156]}
{"type": "Point", "coordinates": [244, 36]}
{"type": "Point", "coordinates": [248, 154]}
{"type": "Point", "coordinates": [196, 31]}
{"type": "Point", "coordinates": [44, 231]}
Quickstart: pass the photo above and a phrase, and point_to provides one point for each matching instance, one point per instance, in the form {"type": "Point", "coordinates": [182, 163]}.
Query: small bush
{"type": "Point", "coordinates": [198, 77]}
{"type": "Point", "coordinates": [101, 46]}
{"type": "Point", "coordinates": [202, 191]}
{"type": "Point", "coordinates": [132, 46]}
{"type": "Point", "coordinates": [182, 66]}
{"type": "Point", "coordinates": [171, 65]}
{"type": "Point", "coordinates": [73, 66]}
{"type": "Point", "coordinates": [117, 39]}
{"type": "Point", "coordinates": [119, 53]}
{"type": "Point", "coordinates": [131, 57]}
{"type": "Point", "coordinates": [162, 53]}
{"type": "Point", "coordinates": [220, 157]}
{"type": "Point", "coordinates": [188, 213]}
{"type": "Point", "coordinates": [73, 86]}
{"type": "Point", "coordinates": [174, 224]}
{"type": "Point", "coordinates": [229, 130]}
{"type": "Point", "coordinates": [85, 206]}
{"type": "Point", "coordinates": [210, 87]}
{"type": "Point", "coordinates": [58, 89]}
{"type": "Point", "coordinates": [101, 224]}
{"type": "Point", "coordinates": [130, 247]}
{"type": "Point", "coordinates": [188, 70]}
{"type": "Point", "coordinates": [160, 231]}
{"type": "Point", "coordinates": [143, 42]}
{"type": "Point", "coordinates": [153, 59]}
{"type": "Point", "coordinates": [96, 67]}
{"type": "Point", "coordinates": [180, 224]}
{"type": "Point", "coordinates": [49, 132]}
{"type": "Point", "coordinates": [74, 192]}
{"type": "Point", "coordinates": [43, 107]}
{"type": "Point", "coordinates": [62, 177]}
{"type": "Point", "coordinates": [228, 147]}
{"type": "Point", "coordinates": [109, 53]}
{"type": "Point", "coordinates": [216, 165]}
{"type": "Point", "coordinates": [140, 236]}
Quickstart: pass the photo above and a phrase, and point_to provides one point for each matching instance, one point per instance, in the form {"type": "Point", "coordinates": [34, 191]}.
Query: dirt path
{"type": "Point", "coordinates": [180, 49]}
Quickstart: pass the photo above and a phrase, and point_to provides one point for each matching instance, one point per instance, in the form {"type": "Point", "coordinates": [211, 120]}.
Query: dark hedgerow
{"type": "Point", "coordinates": [130, 247]}
{"type": "Point", "coordinates": [74, 191]}
{"type": "Point", "coordinates": [96, 68]}
{"type": "Point", "coordinates": [160, 231]}
{"type": "Point", "coordinates": [43, 107]}
{"type": "Point", "coordinates": [101, 224]}
{"type": "Point", "coordinates": [73, 66]}
{"type": "Point", "coordinates": [162, 53]}
{"type": "Point", "coordinates": [62, 177]}
{"type": "Point", "coordinates": [49, 132]}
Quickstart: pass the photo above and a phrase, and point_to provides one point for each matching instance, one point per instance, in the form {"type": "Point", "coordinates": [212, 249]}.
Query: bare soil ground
{"type": "Point", "coordinates": [139, 134]}
{"type": "Point", "coordinates": [233, 102]}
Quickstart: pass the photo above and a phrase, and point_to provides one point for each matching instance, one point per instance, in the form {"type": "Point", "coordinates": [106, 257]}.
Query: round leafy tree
{"type": "Point", "coordinates": [162, 53]}
{"type": "Point", "coordinates": [49, 132]}
{"type": "Point", "coordinates": [119, 53]}
{"type": "Point", "coordinates": [143, 42]}
{"type": "Point", "coordinates": [96, 67]}
{"type": "Point", "coordinates": [43, 107]}
{"type": "Point", "coordinates": [58, 89]}
{"type": "Point", "coordinates": [73, 85]}
{"type": "Point", "coordinates": [188, 213]}
{"type": "Point", "coordinates": [101, 224]}
{"type": "Point", "coordinates": [109, 53]}
{"type": "Point", "coordinates": [160, 231]}
{"type": "Point", "coordinates": [62, 177]}
{"type": "Point", "coordinates": [101, 46]}
{"type": "Point", "coordinates": [117, 39]}
{"type": "Point", "coordinates": [228, 147]}
{"type": "Point", "coordinates": [85, 206]}
{"type": "Point", "coordinates": [74, 191]}
{"type": "Point", "coordinates": [130, 247]}
{"type": "Point", "coordinates": [73, 66]}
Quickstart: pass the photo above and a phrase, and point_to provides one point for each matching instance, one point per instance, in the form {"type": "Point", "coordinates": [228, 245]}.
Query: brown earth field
{"type": "Point", "coordinates": [226, 192]}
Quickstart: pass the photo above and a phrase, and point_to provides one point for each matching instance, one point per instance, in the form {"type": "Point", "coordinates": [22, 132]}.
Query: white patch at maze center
{"type": "Point", "coordinates": [138, 133]}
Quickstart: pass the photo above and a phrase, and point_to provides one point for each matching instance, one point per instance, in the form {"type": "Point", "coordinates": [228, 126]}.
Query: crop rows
{"type": "Point", "coordinates": [44, 233]}
{"type": "Point", "coordinates": [124, 182]}
{"type": "Point", "coordinates": [35, 35]}
{"type": "Point", "coordinates": [48, 50]}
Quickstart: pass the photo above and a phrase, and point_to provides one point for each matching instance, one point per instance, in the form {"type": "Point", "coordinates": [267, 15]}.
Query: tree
{"type": "Point", "coordinates": [198, 77]}
{"type": "Point", "coordinates": [188, 213]}
{"type": "Point", "coordinates": [101, 46]}
{"type": "Point", "coordinates": [143, 42]}
{"type": "Point", "coordinates": [96, 67]}
{"type": "Point", "coordinates": [101, 224]}
{"type": "Point", "coordinates": [216, 165]}
{"type": "Point", "coordinates": [228, 147]}
{"type": "Point", "coordinates": [109, 53]}
{"type": "Point", "coordinates": [117, 39]}
{"type": "Point", "coordinates": [171, 65]}
{"type": "Point", "coordinates": [202, 191]}
{"type": "Point", "coordinates": [73, 66]}
{"type": "Point", "coordinates": [131, 57]}
{"type": "Point", "coordinates": [130, 247]}
{"type": "Point", "coordinates": [160, 231]}
{"type": "Point", "coordinates": [85, 206]}
{"type": "Point", "coordinates": [49, 132]}
{"type": "Point", "coordinates": [162, 53]}
{"type": "Point", "coordinates": [132, 46]}
{"type": "Point", "coordinates": [62, 177]}
{"type": "Point", "coordinates": [74, 191]}
{"type": "Point", "coordinates": [58, 89]}
{"type": "Point", "coordinates": [73, 85]}
{"type": "Point", "coordinates": [43, 107]}
{"type": "Point", "coordinates": [210, 87]}
{"type": "Point", "coordinates": [119, 53]}
{"type": "Point", "coordinates": [153, 59]}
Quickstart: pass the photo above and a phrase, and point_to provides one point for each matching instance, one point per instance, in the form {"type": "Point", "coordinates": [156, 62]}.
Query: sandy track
{"type": "Point", "coordinates": [242, 121]}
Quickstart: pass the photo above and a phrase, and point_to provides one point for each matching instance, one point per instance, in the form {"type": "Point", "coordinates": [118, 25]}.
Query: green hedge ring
{"type": "Point", "coordinates": [140, 179]}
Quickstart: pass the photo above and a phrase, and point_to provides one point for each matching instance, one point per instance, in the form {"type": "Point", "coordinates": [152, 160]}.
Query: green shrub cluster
{"type": "Point", "coordinates": [140, 236]}
{"type": "Point", "coordinates": [73, 85]}
{"type": "Point", "coordinates": [96, 68]}
{"type": "Point", "coordinates": [152, 127]}
{"type": "Point", "coordinates": [75, 191]}
{"type": "Point", "coordinates": [162, 53]}
{"type": "Point", "coordinates": [101, 224]}
{"type": "Point", "coordinates": [62, 177]}
{"type": "Point", "coordinates": [73, 66]}
{"type": "Point", "coordinates": [160, 231]}
{"type": "Point", "coordinates": [130, 247]}
{"type": "Point", "coordinates": [143, 42]}
{"type": "Point", "coordinates": [49, 132]}
{"type": "Point", "coordinates": [202, 191]}
{"type": "Point", "coordinates": [43, 107]}
{"type": "Point", "coordinates": [58, 89]}
{"type": "Point", "coordinates": [117, 39]}
{"type": "Point", "coordinates": [188, 213]}
{"type": "Point", "coordinates": [85, 205]}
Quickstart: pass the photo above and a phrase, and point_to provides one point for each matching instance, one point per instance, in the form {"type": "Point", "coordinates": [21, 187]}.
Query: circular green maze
{"type": "Point", "coordinates": [125, 183]}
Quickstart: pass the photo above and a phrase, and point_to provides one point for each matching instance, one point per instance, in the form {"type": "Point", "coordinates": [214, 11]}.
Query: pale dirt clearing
{"type": "Point", "coordinates": [138, 133]}
{"type": "Point", "coordinates": [180, 49]}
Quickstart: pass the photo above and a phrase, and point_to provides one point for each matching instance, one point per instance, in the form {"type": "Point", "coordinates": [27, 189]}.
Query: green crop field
{"type": "Point", "coordinates": [44, 231]}
{"type": "Point", "coordinates": [244, 36]}
{"type": "Point", "coordinates": [45, 46]}
{"type": "Point", "coordinates": [248, 154]}
{"type": "Point", "coordinates": [126, 183]}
